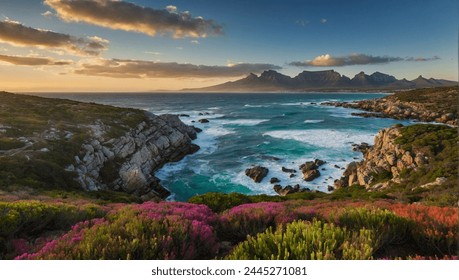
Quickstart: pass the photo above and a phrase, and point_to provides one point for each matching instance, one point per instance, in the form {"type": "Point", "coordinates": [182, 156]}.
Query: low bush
{"type": "Point", "coordinates": [23, 220]}
{"type": "Point", "coordinates": [435, 228]}
{"type": "Point", "coordinates": [306, 241]}
{"type": "Point", "coordinates": [388, 228]}
{"type": "Point", "coordinates": [147, 231]}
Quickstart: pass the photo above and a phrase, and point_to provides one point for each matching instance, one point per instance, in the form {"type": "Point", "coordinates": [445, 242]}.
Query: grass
{"type": "Point", "coordinates": [443, 99]}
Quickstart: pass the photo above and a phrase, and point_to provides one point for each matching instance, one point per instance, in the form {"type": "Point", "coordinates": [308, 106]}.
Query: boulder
{"type": "Point", "coordinates": [257, 173]}
{"type": "Point", "coordinates": [288, 170]}
{"type": "Point", "coordinates": [203, 120]}
{"type": "Point", "coordinates": [274, 180]}
{"type": "Point", "coordinates": [311, 175]}
{"type": "Point", "coordinates": [283, 191]}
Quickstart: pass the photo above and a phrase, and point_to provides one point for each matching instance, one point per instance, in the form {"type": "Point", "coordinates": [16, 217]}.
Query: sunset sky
{"type": "Point", "coordinates": [144, 45]}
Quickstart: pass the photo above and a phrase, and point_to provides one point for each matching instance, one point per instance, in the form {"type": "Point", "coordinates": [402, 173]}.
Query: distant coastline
{"type": "Point", "coordinates": [323, 81]}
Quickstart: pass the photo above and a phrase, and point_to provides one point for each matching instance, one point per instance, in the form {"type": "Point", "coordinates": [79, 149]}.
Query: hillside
{"type": "Point", "coordinates": [328, 80]}
{"type": "Point", "coordinates": [59, 147]}
{"type": "Point", "coordinates": [428, 105]}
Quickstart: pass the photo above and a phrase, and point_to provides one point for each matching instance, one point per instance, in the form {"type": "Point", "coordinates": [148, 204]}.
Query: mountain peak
{"type": "Point", "coordinates": [271, 80]}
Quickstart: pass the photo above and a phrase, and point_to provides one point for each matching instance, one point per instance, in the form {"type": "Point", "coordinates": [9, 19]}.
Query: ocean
{"type": "Point", "coordinates": [273, 130]}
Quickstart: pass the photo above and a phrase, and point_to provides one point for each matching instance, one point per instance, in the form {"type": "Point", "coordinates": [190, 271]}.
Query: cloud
{"type": "Point", "coordinates": [121, 15]}
{"type": "Point", "coordinates": [14, 33]}
{"type": "Point", "coordinates": [323, 21]}
{"type": "Point", "coordinates": [33, 61]}
{"type": "Point", "coordinates": [154, 53]}
{"type": "Point", "coordinates": [123, 68]}
{"type": "Point", "coordinates": [302, 22]}
{"type": "Point", "coordinates": [196, 42]}
{"type": "Point", "coordinates": [422, 59]}
{"type": "Point", "coordinates": [48, 14]}
{"type": "Point", "coordinates": [327, 60]}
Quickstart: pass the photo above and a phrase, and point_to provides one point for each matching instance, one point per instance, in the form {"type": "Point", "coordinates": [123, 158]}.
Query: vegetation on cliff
{"type": "Point", "coordinates": [39, 137]}
{"type": "Point", "coordinates": [429, 105]}
{"type": "Point", "coordinates": [55, 145]}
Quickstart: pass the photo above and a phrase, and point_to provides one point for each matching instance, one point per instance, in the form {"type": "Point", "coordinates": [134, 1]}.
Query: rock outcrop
{"type": "Point", "coordinates": [257, 173]}
{"type": "Point", "coordinates": [310, 169]}
{"type": "Point", "coordinates": [283, 191]}
{"type": "Point", "coordinates": [128, 163]}
{"type": "Point", "coordinates": [383, 162]}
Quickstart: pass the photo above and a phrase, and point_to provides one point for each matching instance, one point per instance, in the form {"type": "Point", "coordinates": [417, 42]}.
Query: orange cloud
{"type": "Point", "coordinates": [127, 16]}
{"type": "Point", "coordinates": [33, 61]}
{"type": "Point", "coordinates": [14, 33]}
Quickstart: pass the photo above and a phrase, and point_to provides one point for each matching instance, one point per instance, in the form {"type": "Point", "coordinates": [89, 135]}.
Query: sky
{"type": "Point", "coordinates": [153, 45]}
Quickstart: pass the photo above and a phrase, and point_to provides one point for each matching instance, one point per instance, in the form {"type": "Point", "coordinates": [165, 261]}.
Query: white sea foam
{"type": "Point", "coordinates": [345, 113]}
{"type": "Point", "coordinates": [322, 137]}
{"type": "Point", "coordinates": [242, 122]}
{"type": "Point", "coordinates": [256, 106]}
{"type": "Point", "coordinates": [295, 104]}
{"type": "Point", "coordinates": [313, 121]}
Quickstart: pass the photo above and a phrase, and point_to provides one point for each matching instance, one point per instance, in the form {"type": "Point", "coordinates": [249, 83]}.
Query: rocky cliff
{"type": "Point", "coordinates": [418, 161]}
{"type": "Point", "coordinates": [383, 162]}
{"type": "Point", "coordinates": [59, 146]}
{"type": "Point", "coordinates": [128, 163]}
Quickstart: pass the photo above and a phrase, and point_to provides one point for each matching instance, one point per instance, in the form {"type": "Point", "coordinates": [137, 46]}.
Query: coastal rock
{"type": "Point", "coordinates": [257, 173]}
{"type": "Point", "coordinates": [288, 170]}
{"type": "Point", "coordinates": [311, 175]}
{"type": "Point", "coordinates": [274, 180]}
{"type": "Point", "coordinates": [283, 191]}
{"type": "Point", "coordinates": [135, 156]}
{"type": "Point", "coordinates": [203, 120]}
{"type": "Point", "coordinates": [425, 106]}
{"type": "Point", "coordinates": [311, 165]}
{"type": "Point", "coordinates": [385, 160]}
{"type": "Point", "coordinates": [310, 169]}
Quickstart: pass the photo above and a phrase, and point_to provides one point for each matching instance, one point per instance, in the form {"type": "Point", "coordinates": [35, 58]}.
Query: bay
{"type": "Point", "coordinates": [273, 130]}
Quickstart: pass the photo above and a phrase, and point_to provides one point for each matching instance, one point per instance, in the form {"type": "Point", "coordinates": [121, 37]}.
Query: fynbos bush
{"type": "Point", "coordinates": [148, 231]}
{"type": "Point", "coordinates": [306, 241]}
{"type": "Point", "coordinates": [387, 228]}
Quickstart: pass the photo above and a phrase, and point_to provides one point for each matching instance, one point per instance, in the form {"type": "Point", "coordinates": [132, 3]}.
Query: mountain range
{"type": "Point", "coordinates": [271, 80]}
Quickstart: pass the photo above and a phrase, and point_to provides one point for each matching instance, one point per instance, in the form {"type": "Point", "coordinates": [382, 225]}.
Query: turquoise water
{"type": "Point", "coordinates": [251, 129]}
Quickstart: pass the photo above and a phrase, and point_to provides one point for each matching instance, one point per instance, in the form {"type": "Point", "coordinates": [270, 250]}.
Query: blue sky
{"type": "Point", "coordinates": [402, 38]}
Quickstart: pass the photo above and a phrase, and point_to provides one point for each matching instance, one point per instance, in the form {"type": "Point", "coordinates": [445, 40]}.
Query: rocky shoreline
{"type": "Point", "coordinates": [425, 107]}
{"type": "Point", "coordinates": [385, 160]}
{"type": "Point", "coordinates": [135, 156]}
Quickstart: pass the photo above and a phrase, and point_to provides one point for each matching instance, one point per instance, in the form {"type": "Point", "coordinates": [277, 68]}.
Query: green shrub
{"type": "Point", "coordinates": [145, 231]}
{"type": "Point", "coordinates": [220, 202]}
{"type": "Point", "coordinates": [306, 241]}
{"type": "Point", "coordinates": [387, 228]}
{"type": "Point", "coordinates": [29, 219]}
{"type": "Point", "coordinates": [9, 143]}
